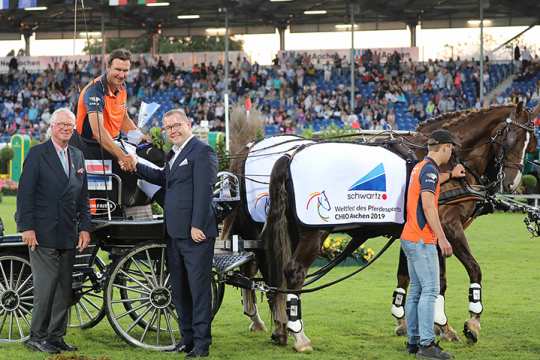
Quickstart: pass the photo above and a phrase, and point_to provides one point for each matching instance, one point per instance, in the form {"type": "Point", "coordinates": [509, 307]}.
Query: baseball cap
{"type": "Point", "coordinates": [441, 136]}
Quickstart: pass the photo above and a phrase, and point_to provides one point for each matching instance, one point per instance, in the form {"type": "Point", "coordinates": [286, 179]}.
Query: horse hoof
{"type": "Point", "coordinates": [257, 327]}
{"type": "Point", "coordinates": [450, 336]}
{"type": "Point", "coordinates": [303, 348]}
{"type": "Point", "coordinates": [470, 333]}
{"type": "Point", "coordinates": [400, 330]}
{"type": "Point", "coordinates": [280, 340]}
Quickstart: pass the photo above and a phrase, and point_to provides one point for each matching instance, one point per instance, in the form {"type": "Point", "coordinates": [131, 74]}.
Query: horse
{"type": "Point", "coordinates": [494, 142]}
{"type": "Point", "coordinates": [492, 165]}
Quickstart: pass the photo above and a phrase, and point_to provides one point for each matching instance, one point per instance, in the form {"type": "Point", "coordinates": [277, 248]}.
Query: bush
{"type": "Point", "coordinates": [6, 155]}
{"type": "Point", "coordinates": [529, 182]}
{"type": "Point", "coordinates": [334, 244]}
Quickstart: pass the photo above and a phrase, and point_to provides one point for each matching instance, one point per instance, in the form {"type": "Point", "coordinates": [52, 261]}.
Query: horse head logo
{"type": "Point", "coordinates": [321, 202]}
{"type": "Point", "coordinates": [263, 199]}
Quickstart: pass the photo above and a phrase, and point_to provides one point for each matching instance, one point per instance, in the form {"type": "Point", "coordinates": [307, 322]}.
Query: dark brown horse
{"type": "Point", "coordinates": [494, 142]}
{"type": "Point", "coordinates": [493, 155]}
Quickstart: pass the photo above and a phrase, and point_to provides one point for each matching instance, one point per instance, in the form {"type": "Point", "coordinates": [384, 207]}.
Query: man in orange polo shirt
{"type": "Point", "coordinates": [419, 239]}
{"type": "Point", "coordinates": [102, 112]}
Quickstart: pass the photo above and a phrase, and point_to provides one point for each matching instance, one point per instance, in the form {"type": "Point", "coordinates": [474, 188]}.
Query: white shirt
{"type": "Point", "coordinates": [177, 150]}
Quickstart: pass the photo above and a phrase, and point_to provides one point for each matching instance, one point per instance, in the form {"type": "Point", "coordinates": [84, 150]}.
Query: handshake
{"type": "Point", "coordinates": [128, 162]}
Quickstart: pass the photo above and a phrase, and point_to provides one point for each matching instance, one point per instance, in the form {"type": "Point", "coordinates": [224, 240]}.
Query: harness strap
{"type": "Point", "coordinates": [461, 194]}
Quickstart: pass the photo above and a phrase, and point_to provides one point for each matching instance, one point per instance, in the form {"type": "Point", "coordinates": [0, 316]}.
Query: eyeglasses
{"type": "Point", "coordinates": [175, 126]}
{"type": "Point", "coordinates": [64, 125]}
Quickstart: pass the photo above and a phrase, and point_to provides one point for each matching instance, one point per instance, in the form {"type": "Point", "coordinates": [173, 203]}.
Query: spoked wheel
{"type": "Point", "coordinates": [139, 299]}
{"type": "Point", "coordinates": [218, 291]}
{"type": "Point", "coordinates": [16, 298]}
{"type": "Point", "coordinates": [89, 309]}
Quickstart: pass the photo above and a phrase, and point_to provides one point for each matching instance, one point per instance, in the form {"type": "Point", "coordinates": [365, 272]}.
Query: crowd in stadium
{"type": "Point", "coordinates": [296, 92]}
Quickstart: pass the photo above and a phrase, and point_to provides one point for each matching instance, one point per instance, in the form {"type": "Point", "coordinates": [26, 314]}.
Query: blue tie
{"type": "Point", "coordinates": [64, 161]}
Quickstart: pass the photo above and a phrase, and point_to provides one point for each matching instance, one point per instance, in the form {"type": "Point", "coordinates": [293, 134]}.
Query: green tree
{"type": "Point", "coordinates": [167, 45]}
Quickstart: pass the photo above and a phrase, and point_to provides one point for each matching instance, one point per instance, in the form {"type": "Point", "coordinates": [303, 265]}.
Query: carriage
{"type": "Point", "coordinates": [121, 275]}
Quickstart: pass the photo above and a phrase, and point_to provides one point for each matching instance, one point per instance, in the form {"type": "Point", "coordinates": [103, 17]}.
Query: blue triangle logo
{"type": "Point", "coordinates": [375, 180]}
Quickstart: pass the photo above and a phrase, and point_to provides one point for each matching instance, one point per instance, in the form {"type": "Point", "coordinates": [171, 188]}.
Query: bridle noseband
{"type": "Point", "coordinates": [500, 163]}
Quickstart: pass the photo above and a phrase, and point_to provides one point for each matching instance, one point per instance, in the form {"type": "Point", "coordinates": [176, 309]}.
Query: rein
{"type": "Point", "coordinates": [270, 289]}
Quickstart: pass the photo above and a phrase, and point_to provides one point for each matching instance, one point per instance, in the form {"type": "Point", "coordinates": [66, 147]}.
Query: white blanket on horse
{"type": "Point", "coordinates": [341, 183]}
{"type": "Point", "coordinates": [258, 166]}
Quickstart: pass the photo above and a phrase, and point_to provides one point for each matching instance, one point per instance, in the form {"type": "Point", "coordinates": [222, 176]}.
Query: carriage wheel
{"type": "Point", "coordinates": [16, 298]}
{"type": "Point", "coordinates": [142, 274]}
{"type": "Point", "coordinates": [139, 299]}
{"type": "Point", "coordinates": [89, 310]}
{"type": "Point", "coordinates": [218, 291]}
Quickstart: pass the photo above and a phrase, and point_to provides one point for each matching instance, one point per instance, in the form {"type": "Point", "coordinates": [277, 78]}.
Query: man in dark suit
{"type": "Point", "coordinates": [188, 177]}
{"type": "Point", "coordinates": [53, 217]}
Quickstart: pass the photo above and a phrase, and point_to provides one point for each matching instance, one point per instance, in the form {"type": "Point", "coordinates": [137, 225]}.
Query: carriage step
{"type": "Point", "coordinates": [227, 262]}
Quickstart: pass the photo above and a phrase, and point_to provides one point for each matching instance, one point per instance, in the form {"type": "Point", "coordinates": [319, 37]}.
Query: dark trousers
{"type": "Point", "coordinates": [52, 274]}
{"type": "Point", "coordinates": [190, 267]}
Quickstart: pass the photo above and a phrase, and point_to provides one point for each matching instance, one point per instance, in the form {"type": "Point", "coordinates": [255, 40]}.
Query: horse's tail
{"type": "Point", "coordinates": [275, 234]}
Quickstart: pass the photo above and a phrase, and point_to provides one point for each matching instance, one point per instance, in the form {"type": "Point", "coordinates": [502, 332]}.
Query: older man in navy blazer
{"type": "Point", "coordinates": [53, 217]}
{"type": "Point", "coordinates": [188, 177]}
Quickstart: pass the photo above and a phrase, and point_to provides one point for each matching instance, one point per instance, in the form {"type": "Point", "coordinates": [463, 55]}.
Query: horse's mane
{"type": "Point", "coordinates": [449, 120]}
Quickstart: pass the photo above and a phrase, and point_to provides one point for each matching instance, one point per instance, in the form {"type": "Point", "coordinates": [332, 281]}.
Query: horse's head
{"type": "Point", "coordinates": [512, 140]}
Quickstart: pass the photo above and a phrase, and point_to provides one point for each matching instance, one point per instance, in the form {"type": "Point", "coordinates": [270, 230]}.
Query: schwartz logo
{"type": "Point", "coordinates": [375, 180]}
{"type": "Point", "coordinates": [321, 203]}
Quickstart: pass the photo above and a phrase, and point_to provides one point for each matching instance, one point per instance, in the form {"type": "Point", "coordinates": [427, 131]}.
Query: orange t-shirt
{"type": "Point", "coordinates": [96, 97]}
{"type": "Point", "coordinates": [424, 177]}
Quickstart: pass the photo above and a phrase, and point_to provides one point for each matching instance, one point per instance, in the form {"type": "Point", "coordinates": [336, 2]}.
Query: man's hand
{"type": "Point", "coordinates": [84, 240]}
{"type": "Point", "coordinates": [29, 238]}
{"type": "Point", "coordinates": [446, 248]}
{"type": "Point", "coordinates": [128, 162]}
{"type": "Point", "coordinates": [458, 171]}
{"type": "Point", "coordinates": [197, 235]}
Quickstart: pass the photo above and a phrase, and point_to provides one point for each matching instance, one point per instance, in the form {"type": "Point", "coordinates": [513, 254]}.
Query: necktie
{"type": "Point", "coordinates": [169, 155]}
{"type": "Point", "coordinates": [64, 161]}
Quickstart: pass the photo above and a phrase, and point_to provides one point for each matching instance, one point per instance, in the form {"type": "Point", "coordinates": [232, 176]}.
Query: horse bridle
{"type": "Point", "coordinates": [500, 163]}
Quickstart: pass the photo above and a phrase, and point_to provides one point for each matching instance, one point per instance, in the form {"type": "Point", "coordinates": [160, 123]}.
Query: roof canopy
{"type": "Point", "coordinates": [255, 16]}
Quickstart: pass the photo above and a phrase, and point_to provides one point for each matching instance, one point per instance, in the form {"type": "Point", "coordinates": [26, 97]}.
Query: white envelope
{"type": "Point", "coordinates": [184, 162]}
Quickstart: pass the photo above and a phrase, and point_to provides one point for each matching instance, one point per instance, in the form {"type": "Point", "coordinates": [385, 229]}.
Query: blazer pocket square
{"type": "Point", "coordinates": [184, 162]}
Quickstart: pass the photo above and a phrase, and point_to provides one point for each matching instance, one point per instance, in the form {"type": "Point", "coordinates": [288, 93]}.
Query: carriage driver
{"type": "Point", "coordinates": [421, 235]}
{"type": "Point", "coordinates": [102, 113]}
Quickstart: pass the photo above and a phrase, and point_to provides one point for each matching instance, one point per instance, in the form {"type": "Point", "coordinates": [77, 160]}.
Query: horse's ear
{"type": "Point", "coordinates": [519, 108]}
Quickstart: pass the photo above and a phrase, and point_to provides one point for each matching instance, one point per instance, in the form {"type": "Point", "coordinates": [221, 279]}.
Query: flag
{"type": "Point", "coordinates": [144, 2]}
{"type": "Point", "coordinates": [4, 4]}
{"type": "Point", "coordinates": [118, 2]}
{"type": "Point", "coordinates": [27, 3]}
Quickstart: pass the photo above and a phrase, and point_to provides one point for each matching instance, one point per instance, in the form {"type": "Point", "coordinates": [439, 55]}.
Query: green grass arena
{"type": "Point", "coordinates": [352, 320]}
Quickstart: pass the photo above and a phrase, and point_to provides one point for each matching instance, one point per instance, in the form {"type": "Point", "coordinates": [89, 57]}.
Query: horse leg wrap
{"type": "Point", "coordinates": [475, 299]}
{"type": "Point", "coordinates": [294, 313]}
{"type": "Point", "coordinates": [440, 316]}
{"type": "Point", "coordinates": [398, 300]}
